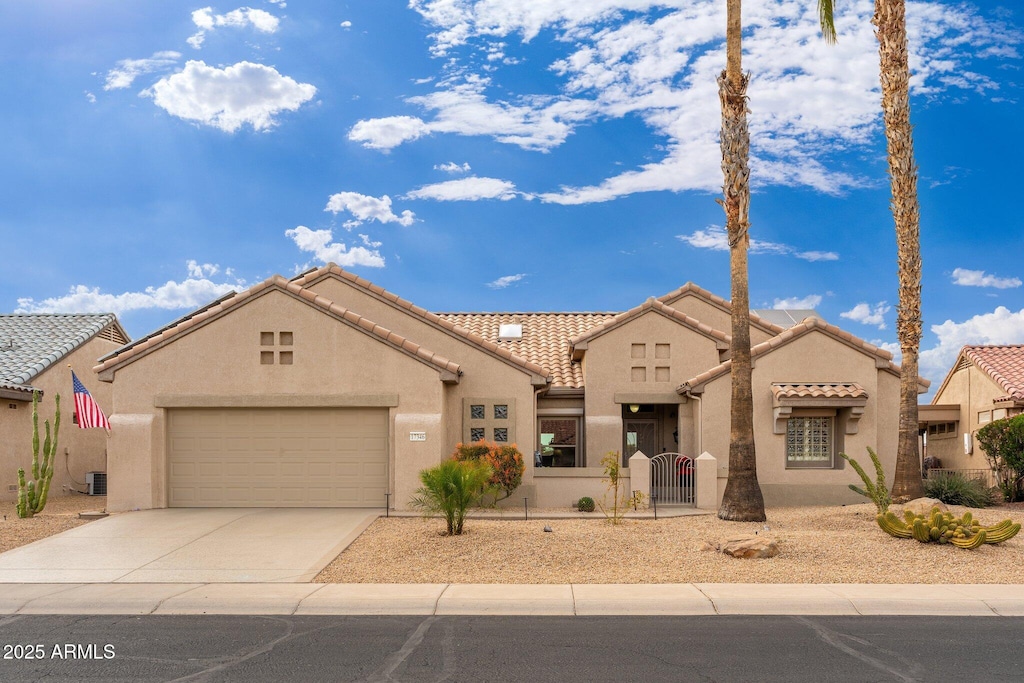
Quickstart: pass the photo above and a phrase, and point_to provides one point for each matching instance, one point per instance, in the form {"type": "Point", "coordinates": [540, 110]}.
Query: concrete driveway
{"type": "Point", "coordinates": [191, 545]}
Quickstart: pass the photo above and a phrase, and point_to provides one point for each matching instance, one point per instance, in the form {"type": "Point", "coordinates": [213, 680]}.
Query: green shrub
{"type": "Point", "coordinates": [585, 504]}
{"type": "Point", "coordinates": [506, 464]}
{"type": "Point", "coordinates": [450, 489]}
{"type": "Point", "coordinates": [953, 488]}
{"type": "Point", "coordinates": [876, 491]}
{"type": "Point", "coordinates": [1003, 443]}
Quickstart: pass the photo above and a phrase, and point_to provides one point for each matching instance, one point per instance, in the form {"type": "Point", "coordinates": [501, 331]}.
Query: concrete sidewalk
{"type": "Point", "coordinates": [1006, 600]}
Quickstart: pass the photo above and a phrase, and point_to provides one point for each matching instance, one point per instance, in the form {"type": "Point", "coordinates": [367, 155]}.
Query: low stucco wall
{"type": "Point", "coordinates": [562, 487]}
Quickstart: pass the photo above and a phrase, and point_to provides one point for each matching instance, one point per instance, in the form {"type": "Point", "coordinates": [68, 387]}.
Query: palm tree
{"type": "Point", "coordinates": [891, 29]}
{"type": "Point", "coordinates": [742, 501]}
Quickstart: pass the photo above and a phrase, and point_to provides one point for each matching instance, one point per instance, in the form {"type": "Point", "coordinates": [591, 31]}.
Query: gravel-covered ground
{"type": "Point", "coordinates": [818, 545]}
{"type": "Point", "coordinates": [60, 514]}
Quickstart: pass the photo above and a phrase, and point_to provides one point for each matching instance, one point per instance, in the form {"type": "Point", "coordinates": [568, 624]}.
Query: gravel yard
{"type": "Point", "coordinates": [60, 514]}
{"type": "Point", "coordinates": [818, 545]}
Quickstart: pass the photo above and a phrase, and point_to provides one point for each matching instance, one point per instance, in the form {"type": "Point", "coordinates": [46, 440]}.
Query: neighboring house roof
{"type": "Point", "coordinates": [883, 359]}
{"type": "Point", "coordinates": [450, 371]}
{"type": "Point", "coordinates": [651, 305]}
{"type": "Point", "coordinates": [786, 317]}
{"type": "Point", "coordinates": [30, 343]}
{"type": "Point", "coordinates": [690, 289]}
{"type": "Point", "coordinates": [539, 370]}
{"type": "Point", "coordinates": [545, 339]}
{"type": "Point", "coordinates": [1004, 364]}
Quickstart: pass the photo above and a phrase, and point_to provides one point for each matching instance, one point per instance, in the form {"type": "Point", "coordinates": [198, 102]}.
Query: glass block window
{"type": "Point", "coordinates": [809, 441]}
{"type": "Point", "coordinates": [500, 412]}
{"type": "Point", "coordinates": [476, 412]}
{"type": "Point", "coordinates": [491, 419]}
{"type": "Point", "coordinates": [501, 434]}
{"type": "Point", "coordinates": [477, 434]}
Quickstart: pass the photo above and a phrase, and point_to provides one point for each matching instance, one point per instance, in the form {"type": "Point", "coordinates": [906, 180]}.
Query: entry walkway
{"type": "Point", "coordinates": [500, 599]}
{"type": "Point", "coordinates": [191, 545]}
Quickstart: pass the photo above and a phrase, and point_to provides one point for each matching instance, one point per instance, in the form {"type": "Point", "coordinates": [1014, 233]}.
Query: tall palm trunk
{"type": "Point", "coordinates": [742, 500]}
{"type": "Point", "coordinates": [891, 29]}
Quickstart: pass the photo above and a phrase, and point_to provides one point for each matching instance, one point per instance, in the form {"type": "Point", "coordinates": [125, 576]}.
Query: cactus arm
{"type": "Point", "coordinates": [881, 490]}
{"type": "Point", "coordinates": [23, 510]}
{"type": "Point", "coordinates": [35, 434]}
{"type": "Point", "coordinates": [969, 543]}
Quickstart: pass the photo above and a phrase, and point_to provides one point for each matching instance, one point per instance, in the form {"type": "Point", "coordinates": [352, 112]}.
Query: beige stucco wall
{"type": "Point", "coordinates": [814, 357]}
{"type": "Point", "coordinates": [483, 375]}
{"type": "Point", "coordinates": [709, 314]}
{"type": "Point", "coordinates": [78, 450]}
{"type": "Point", "coordinates": [219, 364]}
{"type": "Point", "coordinates": [609, 366]}
{"type": "Point", "coordinates": [973, 390]}
{"type": "Point", "coordinates": [560, 488]}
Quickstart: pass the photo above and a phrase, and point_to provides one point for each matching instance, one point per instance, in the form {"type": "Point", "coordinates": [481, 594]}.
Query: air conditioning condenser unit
{"type": "Point", "coordinates": [97, 483]}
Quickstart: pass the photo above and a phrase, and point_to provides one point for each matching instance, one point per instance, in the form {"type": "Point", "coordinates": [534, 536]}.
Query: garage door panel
{"type": "Point", "coordinates": [277, 457]}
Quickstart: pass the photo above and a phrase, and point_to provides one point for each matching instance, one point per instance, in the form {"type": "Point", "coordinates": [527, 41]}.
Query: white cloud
{"type": "Point", "coordinates": [207, 21]}
{"type": "Point", "coordinates": [346, 24]}
{"type": "Point", "coordinates": [503, 282]}
{"type": "Point", "coordinates": [866, 314]}
{"type": "Point", "coordinates": [656, 61]}
{"type": "Point", "coordinates": [979, 278]}
{"type": "Point", "coordinates": [231, 97]}
{"type": "Point", "coordinates": [714, 238]}
{"type": "Point", "coordinates": [1001, 326]}
{"type": "Point", "coordinates": [793, 303]}
{"type": "Point", "coordinates": [89, 96]}
{"type": "Point", "coordinates": [466, 189]}
{"type": "Point", "coordinates": [387, 132]}
{"type": "Point", "coordinates": [452, 167]}
{"type": "Point", "coordinates": [194, 291]}
{"type": "Point", "coordinates": [127, 70]}
{"type": "Point", "coordinates": [366, 208]}
{"type": "Point", "coordinates": [318, 242]}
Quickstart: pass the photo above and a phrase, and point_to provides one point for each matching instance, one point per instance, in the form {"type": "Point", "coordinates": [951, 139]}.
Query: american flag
{"type": "Point", "coordinates": [86, 408]}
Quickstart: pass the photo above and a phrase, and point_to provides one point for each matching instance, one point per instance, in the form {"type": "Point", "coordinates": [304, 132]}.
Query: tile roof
{"type": "Point", "coordinates": [138, 349]}
{"type": "Point", "coordinates": [545, 338]}
{"type": "Point", "coordinates": [883, 357]}
{"type": "Point", "coordinates": [487, 342]}
{"type": "Point", "coordinates": [1004, 364]}
{"type": "Point", "coordinates": [30, 343]}
{"type": "Point", "coordinates": [720, 303]}
{"type": "Point", "coordinates": [818, 391]}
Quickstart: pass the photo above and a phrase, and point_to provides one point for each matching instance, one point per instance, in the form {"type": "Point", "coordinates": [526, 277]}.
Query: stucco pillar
{"type": "Point", "coordinates": [419, 444]}
{"type": "Point", "coordinates": [640, 474]}
{"type": "Point", "coordinates": [130, 484]}
{"type": "Point", "coordinates": [706, 471]}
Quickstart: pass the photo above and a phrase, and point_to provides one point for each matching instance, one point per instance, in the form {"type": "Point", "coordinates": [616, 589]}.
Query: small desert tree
{"type": "Point", "coordinates": [506, 464]}
{"type": "Point", "coordinates": [449, 489]}
{"type": "Point", "coordinates": [1003, 442]}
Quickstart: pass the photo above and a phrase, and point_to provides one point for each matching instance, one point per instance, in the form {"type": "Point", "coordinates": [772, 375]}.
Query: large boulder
{"type": "Point", "coordinates": [749, 546]}
{"type": "Point", "coordinates": [923, 506]}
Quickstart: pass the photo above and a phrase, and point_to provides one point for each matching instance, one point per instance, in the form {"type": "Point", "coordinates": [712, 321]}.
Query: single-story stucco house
{"type": "Point", "coordinates": [327, 390]}
{"type": "Point", "coordinates": [35, 350]}
{"type": "Point", "coordinates": [986, 383]}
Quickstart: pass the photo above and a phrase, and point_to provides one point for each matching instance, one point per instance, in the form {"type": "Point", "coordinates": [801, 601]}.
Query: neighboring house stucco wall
{"type": "Point", "coordinates": [814, 357]}
{"type": "Point", "coordinates": [973, 390]}
{"type": "Point", "coordinates": [218, 364]}
{"type": "Point", "coordinates": [78, 450]}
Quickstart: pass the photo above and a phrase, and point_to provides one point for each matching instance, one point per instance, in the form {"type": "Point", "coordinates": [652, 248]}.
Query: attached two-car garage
{"type": "Point", "coordinates": [277, 457]}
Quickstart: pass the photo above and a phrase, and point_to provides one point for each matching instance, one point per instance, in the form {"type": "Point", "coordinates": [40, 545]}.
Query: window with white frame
{"type": "Point", "coordinates": [810, 442]}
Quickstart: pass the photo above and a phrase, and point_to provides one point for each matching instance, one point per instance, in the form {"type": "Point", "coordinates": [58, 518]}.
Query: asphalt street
{"type": "Point", "coordinates": [473, 648]}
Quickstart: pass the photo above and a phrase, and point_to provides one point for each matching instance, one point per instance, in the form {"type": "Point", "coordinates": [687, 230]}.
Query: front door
{"type": "Point", "coordinates": [639, 435]}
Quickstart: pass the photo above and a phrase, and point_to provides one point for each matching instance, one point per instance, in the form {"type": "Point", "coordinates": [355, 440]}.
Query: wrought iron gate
{"type": "Point", "coordinates": [672, 479]}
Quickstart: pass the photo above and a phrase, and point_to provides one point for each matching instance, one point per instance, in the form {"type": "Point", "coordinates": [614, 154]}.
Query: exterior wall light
{"type": "Point", "coordinates": [634, 408]}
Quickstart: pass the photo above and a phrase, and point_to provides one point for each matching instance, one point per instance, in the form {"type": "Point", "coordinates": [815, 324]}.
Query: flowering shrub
{"type": "Point", "coordinates": [506, 464]}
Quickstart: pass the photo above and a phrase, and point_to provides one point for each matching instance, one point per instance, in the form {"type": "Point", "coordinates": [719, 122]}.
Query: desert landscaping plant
{"type": "Point", "coordinates": [506, 464]}
{"type": "Point", "coordinates": [32, 494]}
{"type": "Point", "coordinates": [953, 488]}
{"type": "Point", "coordinates": [449, 489]}
{"type": "Point", "coordinates": [612, 470]}
{"type": "Point", "coordinates": [875, 491]}
{"type": "Point", "coordinates": [943, 527]}
{"type": "Point", "coordinates": [1003, 442]}
{"type": "Point", "coordinates": [585, 504]}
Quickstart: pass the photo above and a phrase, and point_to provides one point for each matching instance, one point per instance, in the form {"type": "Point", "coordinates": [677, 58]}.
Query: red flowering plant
{"type": "Point", "coordinates": [505, 460]}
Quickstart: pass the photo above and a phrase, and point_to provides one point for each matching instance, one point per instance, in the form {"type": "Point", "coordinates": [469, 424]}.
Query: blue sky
{"type": "Point", "coordinates": [500, 155]}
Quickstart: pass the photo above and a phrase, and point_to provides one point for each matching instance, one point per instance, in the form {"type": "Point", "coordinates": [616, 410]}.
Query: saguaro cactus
{"type": "Point", "coordinates": [32, 494]}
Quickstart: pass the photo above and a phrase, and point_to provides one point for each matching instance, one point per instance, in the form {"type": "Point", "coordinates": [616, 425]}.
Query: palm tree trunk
{"type": "Point", "coordinates": [891, 29]}
{"type": "Point", "coordinates": [742, 500]}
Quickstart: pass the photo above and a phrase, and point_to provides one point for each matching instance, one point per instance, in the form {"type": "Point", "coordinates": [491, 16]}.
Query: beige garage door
{"type": "Point", "coordinates": [277, 457]}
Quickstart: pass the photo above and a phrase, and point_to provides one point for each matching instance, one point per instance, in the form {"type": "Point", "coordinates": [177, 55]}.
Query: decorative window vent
{"type": "Point", "coordinates": [964, 363]}
{"type": "Point", "coordinates": [510, 332]}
